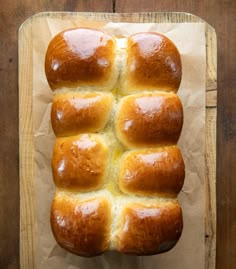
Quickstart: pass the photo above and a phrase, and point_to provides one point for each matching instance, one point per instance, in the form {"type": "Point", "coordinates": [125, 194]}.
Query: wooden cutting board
{"type": "Point", "coordinates": [27, 214]}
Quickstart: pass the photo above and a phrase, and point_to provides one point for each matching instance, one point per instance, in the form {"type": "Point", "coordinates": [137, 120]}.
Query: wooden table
{"type": "Point", "coordinates": [220, 14]}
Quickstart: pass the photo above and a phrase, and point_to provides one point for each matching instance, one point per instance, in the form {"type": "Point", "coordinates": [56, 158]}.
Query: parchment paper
{"type": "Point", "coordinates": [189, 251]}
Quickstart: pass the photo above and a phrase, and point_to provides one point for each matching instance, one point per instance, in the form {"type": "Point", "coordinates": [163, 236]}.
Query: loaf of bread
{"type": "Point", "coordinates": [117, 120]}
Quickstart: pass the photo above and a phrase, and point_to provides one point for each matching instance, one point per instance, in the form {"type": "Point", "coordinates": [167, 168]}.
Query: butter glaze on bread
{"type": "Point", "coordinates": [81, 226]}
{"type": "Point", "coordinates": [74, 113]}
{"type": "Point", "coordinates": [81, 57]}
{"type": "Point", "coordinates": [117, 120]}
{"type": "Point", "coordinates": [153, 62]}
{"type": "Point", "coordinates": [149, 120]}
{"type": "Point", "coordinates": [74, 166]}
{"type": "Point", "coordinates": [146, 230]}
{"type": "Point", "coordinates": [149, 172]}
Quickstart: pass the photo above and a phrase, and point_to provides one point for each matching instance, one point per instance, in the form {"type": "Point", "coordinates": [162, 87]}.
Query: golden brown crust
{"type": "Point", "coordinates": [81, 226]}
{"type": "Point", "coordinates": [79, 163]}
{"type": "Point", "coordinates": [149, 120]}
{"type": "Point", "coordinates": [152, 172]}
{"type": "Point", "coordinates": [83, 65]}
{"type": "Point", "coordinates": [153, 63]}
{"type": "Point", "coordinates": [148, 230]}
{"type": "Point", "coordinates": [74, 113]}
{"type": "Point", "coordinates": [80, 57]}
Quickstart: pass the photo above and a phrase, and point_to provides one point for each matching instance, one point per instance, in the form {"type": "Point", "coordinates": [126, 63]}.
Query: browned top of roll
{"type": "Point", "coordinates": [149, 120]}
{"type": "Point", "coordinates": [153, 63]}
{"type": "Point", "coordinates": [74, 113]}
{"type": "Point", "coordinates": [157, 171]}
{"type": "Point", "coordinates": [148, 230]}
{"type": "Point", "coordinates": [79, 162]}
{"type": "Point", "coordinates": [81, 226]}
{"type": "Point", "coordinates": [79, 57]}
{"type": "Point", "coordinates": [107, 198]}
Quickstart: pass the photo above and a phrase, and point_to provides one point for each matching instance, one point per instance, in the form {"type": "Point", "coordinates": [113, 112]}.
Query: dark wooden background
{"type": "Point", "coordinates": [220, 14]}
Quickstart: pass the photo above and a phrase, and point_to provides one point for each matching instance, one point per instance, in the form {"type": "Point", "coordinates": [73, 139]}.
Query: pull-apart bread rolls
{"type": "Point", "coordinates": [117, 120]}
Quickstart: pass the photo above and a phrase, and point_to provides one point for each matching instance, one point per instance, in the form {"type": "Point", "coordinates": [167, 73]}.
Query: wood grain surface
{"type": "Point", "coordinates": [220, 14]}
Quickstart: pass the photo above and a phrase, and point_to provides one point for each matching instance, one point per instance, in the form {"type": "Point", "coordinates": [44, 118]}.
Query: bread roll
{"type": "Point", "coordinates": [149, 120]}
{"type": "Point", "coordinates": [146, 230]}
{"type": "Point", "coordinates": [117, 120]}
{"type": "Point", "coordinates": [81, 226]}
{"type": "Point", "coordinates": [153, 63]}
{"type": "Point", "coordinates": [149, 172]}
{"type": "Point", "coordinates": [73, 113]}
{"type": "Point", "coordinates": [74, 166]}
{"type": "Point", "coordinates": [81, 57]}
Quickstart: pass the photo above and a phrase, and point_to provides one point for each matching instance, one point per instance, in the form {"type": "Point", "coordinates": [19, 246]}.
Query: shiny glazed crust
{"type": "Point", "coordinates": [74, 166]}
{"type": "Point", "coordinates": [117, 120]}
{"type": "Point", "coordinates": [148, 230]}
{"type": "Point", "coordinates": [151, 172]}
{"type": "Point", "coordinates": [74, 113]}
{"type": "Point", "coordinates": [80, 57]}
{"type": "Point", "coordinates": [149, 120]}
{"type": "Point", "coordinates": [81, 226]}
{"type": "Point", "coordinates": [153, 63]}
